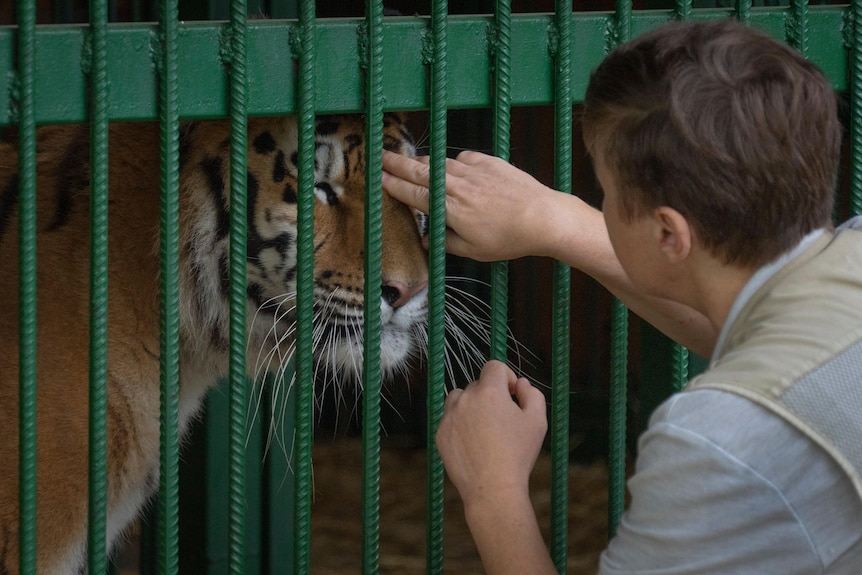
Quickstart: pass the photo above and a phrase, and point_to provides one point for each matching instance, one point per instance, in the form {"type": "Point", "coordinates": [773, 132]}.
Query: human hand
{"type": "Point", "coordinates": [494, 211]}
{"type": "Point", "coordinates": [489, 443]}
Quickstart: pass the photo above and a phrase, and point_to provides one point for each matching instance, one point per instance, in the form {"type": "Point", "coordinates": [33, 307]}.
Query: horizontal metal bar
{"type": "Point", "coordinates": [61, 96]}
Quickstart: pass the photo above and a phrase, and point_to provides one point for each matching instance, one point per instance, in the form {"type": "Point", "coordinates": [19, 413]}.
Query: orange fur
{"type": "Point", "coordinates": [133, 309]}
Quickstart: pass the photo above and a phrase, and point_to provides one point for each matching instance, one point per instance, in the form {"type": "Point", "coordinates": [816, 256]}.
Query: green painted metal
{"type": "Point", "coordinates": [371, 374]}
{"type": "Point", "coordinates": [27, 351]}
{"type": "Point", "coordinates": [856, 110]}
{"type": "Point", "coordinates": [238, 242]}
{"type": "Point", "coordinates": [561, 323]}
{"type": "Point", "coordinates": [621, 31]}
{"type": "Point", "coordinates": [203, 85]}
{"type": "Point", "coordinates": [304, 386]}
{"type": "Point", "coordinates": [436, 284]}
{"type": "Point", "coordinates": [189, 79]}
{"type": "Point", "coordinates": [168, 525]}
{"type": "Point", "coordinates": [502, 104]}
{"type": "Point", "coordinates": [98, 398]}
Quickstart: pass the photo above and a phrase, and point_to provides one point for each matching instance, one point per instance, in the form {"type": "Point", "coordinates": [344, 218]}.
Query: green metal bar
{"type": "Point", "coordinates": [679, 366]}
{"type": "Point", "coordinates": [743, 10]}
{"type": "Point", "coordinates": [305, 296]}
{"type": "Point", "coordinates": [799, 26]}
{"type": "Point", "coordinates": [502, 124]}
{"type": "Point", "coordinates": [683, 9]}
{"type": "Point", "coordinates": [373, 279]}
{"type": "Point", "coordinates": [203, 87]}
{"type": "Point", "coordinates": [98, 480]}
{"type": "Point", "coordinates": [169, 356]}
{"type": "Point", "coordinates": [856, 112]}
{"type": "Point", "coordinates": [562, 299]}
{"type": "Point", "coordinates": [619, 353]}
{"type": "Point", "coordinates": [27, 351]}
{"type": "Point", "coordinates": [437, 284]}
{"type": "Point", "coordinates": [238, 396]}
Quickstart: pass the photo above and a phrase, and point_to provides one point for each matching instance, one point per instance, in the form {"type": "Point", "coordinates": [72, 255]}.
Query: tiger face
{"type": "Point", "coordinates": [339, 189]}
{"type": "Point", "coordinates": [133, 341]}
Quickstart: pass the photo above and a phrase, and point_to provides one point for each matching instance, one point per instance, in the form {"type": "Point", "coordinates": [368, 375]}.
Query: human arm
{"type": "Point", "coordinates": [489, 445]}
{"type": "Point", "coordinates": [495, 211]}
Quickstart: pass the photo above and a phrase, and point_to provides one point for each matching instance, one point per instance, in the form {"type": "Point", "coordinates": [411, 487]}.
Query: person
{"type": "Point", "coordinates": [717, 149]}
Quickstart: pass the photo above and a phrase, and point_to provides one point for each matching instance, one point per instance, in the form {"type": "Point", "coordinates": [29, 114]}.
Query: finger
{"type": "Point", "coordinates": [414, 195]}
{"type": "Point", "coordinates": [529, 397]}
{"type": "Point", "coordinates": [409, 169]}
{"type": "Point", "coordinates": [497, 373]}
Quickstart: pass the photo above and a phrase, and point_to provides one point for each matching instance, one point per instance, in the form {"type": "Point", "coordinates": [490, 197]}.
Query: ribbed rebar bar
{"type": "Point", "coordinates": [169, 240]}
{"type": "Point", "coordinates": [304, 387]}
{"type": "Point", "coordinates": [743, 10]}
{"type": "Point", "coordinates": [27, 278]}
{"type": "Point", "coordinates": [238, 398]}
{"type": "Point", "coordinates": [371, 329]}
{"type": "Point", "coordinates": [683, 9]}
{"type": "Point", "coordinates": [798, 26]}
{"type": "Point", "coordinates": [502, 124]}
{"type": "Point", "coordinates": [856, 112]}
{"type": "Point", "coordinates": [98, 479]}
{"type": "Point", "coordinates": [679, 366]}
{"type": "Point", "coordinates": [619, 355]}
{"type": "Point", "coordinates": [437, 284]}
{"type": "Point", "coordinates": [561, 322]}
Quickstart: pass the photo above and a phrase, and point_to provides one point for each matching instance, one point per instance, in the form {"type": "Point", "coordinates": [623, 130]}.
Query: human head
{"type": "Point", "coordinates": [732, 129]}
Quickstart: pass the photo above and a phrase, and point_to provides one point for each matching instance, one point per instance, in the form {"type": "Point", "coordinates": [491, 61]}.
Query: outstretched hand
{"type": "Point", "coordinates": [493, 210]}
{"type": "Point", "coordinates": [491, 434]}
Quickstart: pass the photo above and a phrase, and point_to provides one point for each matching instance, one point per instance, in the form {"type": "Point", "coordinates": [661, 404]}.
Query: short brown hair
{"type": "Point", "coordinates": [736, 131]}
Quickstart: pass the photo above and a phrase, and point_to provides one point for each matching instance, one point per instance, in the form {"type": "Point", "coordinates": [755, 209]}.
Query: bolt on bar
{"type": "Point", "coordinates": [166, 50]}
{"type": "Point", "coordinates": [436, 284]}
{"type": "Point", "coordinates": [304, 385]}
{"type": "Point", "coordinates": [561, 323]}
{"type": "Point", "coordinates": [27, 302]}
{"type": "Point", "coordinates": [238, 396]}
{"type": "Point", "coordinates": [98, 398]}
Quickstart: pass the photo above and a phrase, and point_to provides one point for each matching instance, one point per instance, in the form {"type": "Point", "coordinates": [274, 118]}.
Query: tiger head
{"type": "Point", "coordinates": [339, 244]}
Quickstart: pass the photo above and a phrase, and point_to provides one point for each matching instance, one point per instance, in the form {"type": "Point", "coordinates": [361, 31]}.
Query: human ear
{"type": "Point", "coordinates": [673, 234]}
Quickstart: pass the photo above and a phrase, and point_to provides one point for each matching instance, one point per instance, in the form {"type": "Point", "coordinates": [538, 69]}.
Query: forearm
{"type": "Point", "coordinates": [578, 237]}
{"type": "Point", "coordinates": [508, 538]}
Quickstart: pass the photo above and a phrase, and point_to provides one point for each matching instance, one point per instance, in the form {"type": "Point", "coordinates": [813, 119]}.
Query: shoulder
{"type": "Point", "coordinates": [721, 482]}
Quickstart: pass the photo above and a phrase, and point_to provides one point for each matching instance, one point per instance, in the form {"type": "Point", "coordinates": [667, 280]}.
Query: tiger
{"type": "Point", "coordinates": [133, 344]}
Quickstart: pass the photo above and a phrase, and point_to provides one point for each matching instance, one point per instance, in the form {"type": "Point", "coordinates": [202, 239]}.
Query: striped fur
{"type": "Point", "coordinates": [133, 309]}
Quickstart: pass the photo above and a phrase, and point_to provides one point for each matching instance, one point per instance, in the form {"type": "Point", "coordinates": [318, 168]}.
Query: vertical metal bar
{"type": "Point", "coordinates": [169, 356]}
{"type": "Point", "coordinates": [743, 10]}
{"type": "Point", "coordinates": [373, 280]}
{"type": "Point", "coordinates": [619, 355]}
{"type": "Point", "coordinates": [437, 284]}
{"type": "Point", "coordinates": [502, 123]}
{"type": "Point", "coordinates": [683, 9]}
{"type": "Point", "coordinates": [98, 484]}
{"type": "Point", "coordinates": [238, 224]}
{"type": "Point", "coordinates": [679, 358]}
{"type": "Point", "coordinates": [856, 112]}
{"type": "Point", "coordinates": [305, 281]}
{"type": "Point", "coordinates": [27, 302]}
{"type": "Point", "coordinates": [799, 27]}
{"type": "Point", "coordinates": [562, 297]}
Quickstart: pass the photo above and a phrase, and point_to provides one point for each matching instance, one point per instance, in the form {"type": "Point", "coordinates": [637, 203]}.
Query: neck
{"type": "Point", "coordinates": [714, 287]}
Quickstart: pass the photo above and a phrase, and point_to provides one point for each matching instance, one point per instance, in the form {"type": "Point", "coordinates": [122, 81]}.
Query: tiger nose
{"type": "Point", "coordinates": [397, 294]}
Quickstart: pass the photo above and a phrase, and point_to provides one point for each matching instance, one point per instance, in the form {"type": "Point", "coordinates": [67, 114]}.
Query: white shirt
{"type": "Point", "coordinates": [724, 486]}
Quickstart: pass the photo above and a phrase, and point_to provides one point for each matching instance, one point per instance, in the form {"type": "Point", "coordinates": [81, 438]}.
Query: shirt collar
{"type": "Point", "coordinates": [756, 281]}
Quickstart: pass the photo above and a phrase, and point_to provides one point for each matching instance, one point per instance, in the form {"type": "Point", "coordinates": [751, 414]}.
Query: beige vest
{"type": "Point", "coordinates": [796, 348]}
